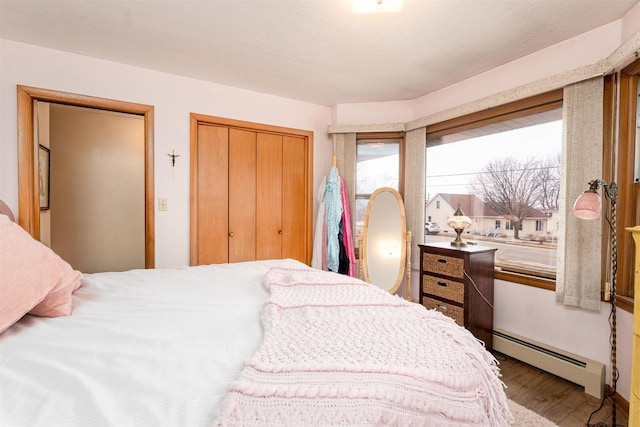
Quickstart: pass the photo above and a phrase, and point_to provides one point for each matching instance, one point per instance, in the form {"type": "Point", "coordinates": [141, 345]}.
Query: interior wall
{"type": "Point", "coordinates": [174, 98]}
{"type": "Point", "coordinates": [368, 113]}
{"type": "Point", "coordinates": [97, 188]}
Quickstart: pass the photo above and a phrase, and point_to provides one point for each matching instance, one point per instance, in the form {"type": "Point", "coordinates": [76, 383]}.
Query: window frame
{"type": "Point", "coordinates": [621, 90]}
{"type": "Point", "coordinates": [520, 108]}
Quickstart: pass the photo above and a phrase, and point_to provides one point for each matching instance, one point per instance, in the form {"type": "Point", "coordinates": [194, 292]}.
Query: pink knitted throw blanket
{"type": "Point", "coordinates": [338, 351]}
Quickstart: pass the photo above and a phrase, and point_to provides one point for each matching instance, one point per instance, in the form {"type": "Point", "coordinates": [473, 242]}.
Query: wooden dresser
{"type": "Point", "coordinates": [459, 283]}
{"type": "Point", "coordinates": [634, 403]}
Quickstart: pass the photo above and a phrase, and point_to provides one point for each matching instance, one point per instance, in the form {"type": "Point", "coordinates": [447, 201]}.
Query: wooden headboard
{"type": "Point", "coordinates": [6, 210]}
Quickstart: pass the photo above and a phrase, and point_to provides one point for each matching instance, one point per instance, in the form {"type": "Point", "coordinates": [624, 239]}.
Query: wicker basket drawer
{"type": "Point", "coordinates": [443, 288]}
{"type": "Point", "coordinates": [446, 265]}
{"type": "Point", "coordinates": [453, 311]}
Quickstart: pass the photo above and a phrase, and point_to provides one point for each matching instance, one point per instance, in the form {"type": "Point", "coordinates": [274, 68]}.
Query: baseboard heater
{"type": "Point", "coordinates": [587, 373]}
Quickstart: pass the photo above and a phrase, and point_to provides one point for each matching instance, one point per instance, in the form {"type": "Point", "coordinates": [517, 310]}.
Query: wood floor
{"type": "Point", "coordinates": [556, 399]}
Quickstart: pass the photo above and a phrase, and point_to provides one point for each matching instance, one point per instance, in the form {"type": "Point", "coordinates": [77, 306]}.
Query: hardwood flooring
{"type": "Point", "coordinates": [556, 399]}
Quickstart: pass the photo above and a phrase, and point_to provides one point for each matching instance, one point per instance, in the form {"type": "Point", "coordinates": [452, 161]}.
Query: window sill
{"type": "Point", "coordinates": [623, 303]}
{"type": "Point", "coordinates": [523, 279]}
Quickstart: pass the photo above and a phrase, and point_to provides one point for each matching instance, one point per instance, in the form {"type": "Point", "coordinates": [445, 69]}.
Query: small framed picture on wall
{"type": "Point", "coordinates": [44, 163]}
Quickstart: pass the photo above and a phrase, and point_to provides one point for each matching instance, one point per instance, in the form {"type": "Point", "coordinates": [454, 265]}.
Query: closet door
{"type": "Point", "coordinates": [251, 191]}
{"type": "Point", "coordinates": [242, 195]}
{"type": "Point", "coordinates": [212, 181]}
{"type": "Point", "coordinates": [294, 202]}
{"type": "Point", "coordinates": [269, 175]}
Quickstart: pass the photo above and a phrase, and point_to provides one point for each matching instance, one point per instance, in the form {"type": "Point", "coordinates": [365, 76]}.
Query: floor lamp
{"type": "Point", "coordinates": [588, 206]}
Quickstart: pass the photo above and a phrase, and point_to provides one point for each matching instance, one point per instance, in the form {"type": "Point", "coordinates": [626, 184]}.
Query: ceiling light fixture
{"type": "Point", "coordinates": [376, 6]}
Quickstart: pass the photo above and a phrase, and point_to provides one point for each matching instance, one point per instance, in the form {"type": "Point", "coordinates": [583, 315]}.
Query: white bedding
{"type": "Point", "coordinates": [168, 341]}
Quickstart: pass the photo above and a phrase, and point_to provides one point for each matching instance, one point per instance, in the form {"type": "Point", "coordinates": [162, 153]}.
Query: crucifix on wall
{"type": "Point", "coordinates": [173, 156]}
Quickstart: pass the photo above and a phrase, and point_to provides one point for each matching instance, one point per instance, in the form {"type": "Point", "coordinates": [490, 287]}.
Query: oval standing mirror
{"type": "Point", "coordinates": [384, 242]}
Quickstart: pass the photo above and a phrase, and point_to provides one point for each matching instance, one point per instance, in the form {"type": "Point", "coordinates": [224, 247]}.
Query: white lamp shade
{"type": "Point", "coordinates": [459, 222]}
{"type": "Point", "coordinates": [587, 206]}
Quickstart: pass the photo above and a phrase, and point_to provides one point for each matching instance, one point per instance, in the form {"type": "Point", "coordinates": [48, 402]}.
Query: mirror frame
{"type": "Point", "coordinates": [405, 237]}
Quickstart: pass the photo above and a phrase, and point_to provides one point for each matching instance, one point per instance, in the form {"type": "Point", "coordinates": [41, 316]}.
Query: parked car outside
{"type": "Point", "coordinates": [431, 228]}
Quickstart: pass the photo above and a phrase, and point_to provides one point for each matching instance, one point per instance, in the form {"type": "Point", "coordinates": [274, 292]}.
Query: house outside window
{"type": "Point", "coordinates": [509, 226]}
{"type": "Point", "coordinates": [520, 147]}
{"type": "Point", "coordinates": [437, 204]}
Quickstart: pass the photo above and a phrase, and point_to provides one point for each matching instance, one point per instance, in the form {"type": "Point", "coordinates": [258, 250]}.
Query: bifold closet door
{"type": "Point", "coordinates": [213, 194]}
{"type": "Point", "coordinates": [242, 195]}
{"type": "Point", "coordinates": [251, 196]}
{"type": "Point", "coordinates": [269, 196]}
{"type": "Point", "coordinates": [294, 193]}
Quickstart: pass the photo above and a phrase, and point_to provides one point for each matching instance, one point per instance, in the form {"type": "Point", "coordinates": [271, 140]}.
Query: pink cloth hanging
{"type": "Point", "coordinates": [346, 229]}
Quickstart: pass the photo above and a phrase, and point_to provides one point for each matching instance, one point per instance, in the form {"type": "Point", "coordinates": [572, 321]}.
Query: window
{"type": "Point", "coordinates": [509, 226]}
{"type": "Point", "coordinates": [625, 151]}
{"type": "Point", "coordinates": [377, 165]}
{"type": "Point", "coordinates": [502, 164]}
{"type": "Point", "coordinates": [437, 204]}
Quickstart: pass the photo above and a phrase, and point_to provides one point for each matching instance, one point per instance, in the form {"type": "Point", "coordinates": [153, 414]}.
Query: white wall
{"type": "Point", "coordinates": [369, 113]}
{"type": "Point", "coordinates": [97, 189]}
{"type": "Point", "coordinates": [173, 97]}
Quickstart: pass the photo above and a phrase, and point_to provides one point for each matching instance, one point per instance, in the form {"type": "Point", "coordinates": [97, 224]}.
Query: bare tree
{"type": "Point", "coordinates": [510, 187]}
{"type": "Point", "coordinates": [549, 184]}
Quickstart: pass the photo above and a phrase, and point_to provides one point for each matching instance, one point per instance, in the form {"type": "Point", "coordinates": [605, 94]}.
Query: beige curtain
{"type": "Point", "coordinates": [579, 243]}
{"type": "Point", "coordinates": [414, 191]}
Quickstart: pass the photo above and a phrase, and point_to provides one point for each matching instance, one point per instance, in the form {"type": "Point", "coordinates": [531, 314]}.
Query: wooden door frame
{"type": "Point", "coordinates": [28, 183]}
{"type": "Point", "coordinates": [197, 119]}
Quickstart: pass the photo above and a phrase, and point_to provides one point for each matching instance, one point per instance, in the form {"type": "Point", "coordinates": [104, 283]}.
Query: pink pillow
{"type": "Point", "coordinates": [33, 279]}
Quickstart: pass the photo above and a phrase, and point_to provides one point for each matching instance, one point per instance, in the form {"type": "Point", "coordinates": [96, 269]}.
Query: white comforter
{"type": "Point", "coordinates": [142, 348]}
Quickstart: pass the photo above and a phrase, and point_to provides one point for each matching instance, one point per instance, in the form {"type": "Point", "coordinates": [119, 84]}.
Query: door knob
{"type": "Point", "coordinates": [280, 231]}
{"type": "Point", "coordinates": [231, 234]}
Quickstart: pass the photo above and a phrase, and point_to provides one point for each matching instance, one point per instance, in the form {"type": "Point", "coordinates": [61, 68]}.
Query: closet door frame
{"type": "Point", "coordinates": [200, 119]}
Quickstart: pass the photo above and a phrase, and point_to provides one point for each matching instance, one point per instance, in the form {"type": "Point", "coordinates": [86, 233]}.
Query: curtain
{"type": "Point", "coordinates": [579, 268]}
{"type": "Point", "coordinates": [414, 191]}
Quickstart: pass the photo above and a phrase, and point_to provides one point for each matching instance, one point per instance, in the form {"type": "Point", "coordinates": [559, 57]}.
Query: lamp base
{"type": "Point", "coordinates": [458, 243]}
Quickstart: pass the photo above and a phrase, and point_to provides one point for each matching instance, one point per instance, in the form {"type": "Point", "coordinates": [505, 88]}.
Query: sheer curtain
{"type": "Point", "coordinates": [580, 242]}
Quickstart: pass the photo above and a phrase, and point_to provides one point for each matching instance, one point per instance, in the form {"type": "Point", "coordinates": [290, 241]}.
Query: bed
{"type": "Point", "coordinates": [257, 343]}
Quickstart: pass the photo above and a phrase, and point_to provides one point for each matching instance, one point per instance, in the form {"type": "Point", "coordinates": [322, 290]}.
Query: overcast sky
{"type": "Point", "coordinates": [448, 165]}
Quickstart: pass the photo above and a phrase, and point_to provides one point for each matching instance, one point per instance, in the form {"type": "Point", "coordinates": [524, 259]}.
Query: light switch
{"type": "Point", "coordinates": [162, 205]}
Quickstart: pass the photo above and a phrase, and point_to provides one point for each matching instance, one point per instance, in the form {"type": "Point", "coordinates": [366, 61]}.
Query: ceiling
{"type": "Point", "coordinates": [311, 50]}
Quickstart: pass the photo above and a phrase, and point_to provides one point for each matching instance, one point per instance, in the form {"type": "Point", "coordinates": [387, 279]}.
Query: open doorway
{"type": "Point", "coordinates": [29, 195]}
{"type": "Point", "coordinates": [92, 200]}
